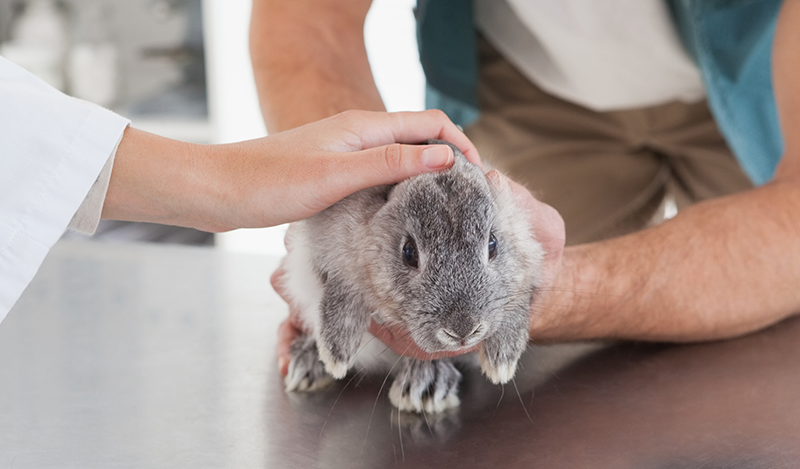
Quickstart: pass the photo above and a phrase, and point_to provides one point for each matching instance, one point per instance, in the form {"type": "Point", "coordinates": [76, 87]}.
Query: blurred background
{"type": "Point", "coordinates": [181, 69]}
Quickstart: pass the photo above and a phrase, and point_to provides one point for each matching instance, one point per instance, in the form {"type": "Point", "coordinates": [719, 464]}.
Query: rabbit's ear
{"type": "Point", "coordinates": [343, 319]}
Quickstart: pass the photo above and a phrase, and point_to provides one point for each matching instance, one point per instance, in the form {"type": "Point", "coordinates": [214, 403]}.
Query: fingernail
{"type": "Point", "coordinates": [436, 156]}
{"type": "Point", "coordinates": [376, 317]}
{"type": "Point", "coordinates": [283, 363]}
{"type": "Point", "coordinates": [495, 175]}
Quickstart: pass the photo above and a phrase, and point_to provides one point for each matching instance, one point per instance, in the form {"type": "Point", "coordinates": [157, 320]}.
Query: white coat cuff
{"type": "Point", "coordinates": [53, 149]}
{"type": "Point", "coordinates": [88, 215]}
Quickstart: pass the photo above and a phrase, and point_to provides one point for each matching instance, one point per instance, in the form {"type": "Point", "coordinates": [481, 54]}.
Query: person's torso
{"type": "Point", "coordinates": [604, 55]}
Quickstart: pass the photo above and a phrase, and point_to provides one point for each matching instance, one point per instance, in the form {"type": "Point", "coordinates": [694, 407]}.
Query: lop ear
{"type": "Point", "coordinates": [343, 319]}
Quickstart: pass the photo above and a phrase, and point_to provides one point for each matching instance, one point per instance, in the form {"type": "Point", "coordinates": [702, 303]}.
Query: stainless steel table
{"type": "Point", "coordinates": [159, 357]}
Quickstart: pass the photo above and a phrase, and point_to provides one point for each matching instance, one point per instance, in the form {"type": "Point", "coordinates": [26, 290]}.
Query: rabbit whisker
{"type": "Point", "coordinates": [502, 394]}
{"type": "Point", "coordinates": [520, 400]}
{"type": "Point", "coordinates": [400, 435]}
{"type": "Point", "coordinates": [425, 416]}
{"type": "Point", "coordinates": [330, 412]}
{"type": "Point", "coordinates": [375, 405]}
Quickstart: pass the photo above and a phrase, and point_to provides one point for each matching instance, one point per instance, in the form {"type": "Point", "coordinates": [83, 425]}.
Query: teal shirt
{"type": "Point", "coordinates": [730, 40]}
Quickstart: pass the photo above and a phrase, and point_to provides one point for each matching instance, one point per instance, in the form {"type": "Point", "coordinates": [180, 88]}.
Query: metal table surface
{"type": "Point", "coordinates": [159, 357]}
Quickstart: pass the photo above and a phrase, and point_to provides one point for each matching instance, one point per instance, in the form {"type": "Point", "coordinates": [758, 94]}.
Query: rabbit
{"type": "Point", "coordinates": [443, 254]}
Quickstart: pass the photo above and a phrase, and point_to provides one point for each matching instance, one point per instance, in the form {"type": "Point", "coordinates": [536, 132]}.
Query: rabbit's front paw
{"type": "Point", "coordinates": [499, 355]}
{"type": "Point", "coordinates": [497, 372]}
{"type": "Point", "coordinates": [426, 386]}
{"type": "Point", "coordinates": [306, 371]}
{"type": "Point", "coordinates": [343, 319]}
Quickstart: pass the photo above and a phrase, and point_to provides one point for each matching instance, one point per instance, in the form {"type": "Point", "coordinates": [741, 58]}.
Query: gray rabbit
{"type": "Point", "coordinates": [444, 254]}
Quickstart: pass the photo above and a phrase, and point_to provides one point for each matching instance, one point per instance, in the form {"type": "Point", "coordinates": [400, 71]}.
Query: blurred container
{"type": "Point", "coordinates": [92, 60]}
{"type": "Point", "coordinates": [38, 41]}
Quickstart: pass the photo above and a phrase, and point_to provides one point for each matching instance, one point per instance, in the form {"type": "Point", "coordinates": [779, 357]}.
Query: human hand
{"type": "Point", "coordinates": [302, 171]}
{"type": "Point", "coordinates": [276, 179]}
{"type": "Point", "coordinates": [547, 226]}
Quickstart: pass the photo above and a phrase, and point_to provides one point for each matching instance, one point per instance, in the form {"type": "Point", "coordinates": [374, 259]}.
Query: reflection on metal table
{"type": "Point", "coordinates": [152, 356]}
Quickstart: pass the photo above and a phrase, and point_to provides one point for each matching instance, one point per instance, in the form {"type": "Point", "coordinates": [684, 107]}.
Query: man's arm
{"type": "Point", "coordinates": [721, 268]}
{"type": "Point", "coordinates": [309, 60]}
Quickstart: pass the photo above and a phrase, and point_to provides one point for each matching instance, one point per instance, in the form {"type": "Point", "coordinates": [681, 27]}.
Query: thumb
{"type": "Point", "coordinates": [390, 164]}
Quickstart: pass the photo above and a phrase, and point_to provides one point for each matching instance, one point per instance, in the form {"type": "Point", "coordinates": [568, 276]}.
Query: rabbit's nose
{"type": "Point", "coordinates": [461, 333]}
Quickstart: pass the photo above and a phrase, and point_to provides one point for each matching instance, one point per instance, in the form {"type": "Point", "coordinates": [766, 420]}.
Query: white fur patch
{"type": "Point", "coordinates": [497, 375]}
{"type": "Point", "coordinates": [430, 405]}
{"type": "Point", "coordinates": [296, 382]}
{"type": "Point", "coordinates": [336, 369]}
{"type": "Point", "coordinates": [302, 284]}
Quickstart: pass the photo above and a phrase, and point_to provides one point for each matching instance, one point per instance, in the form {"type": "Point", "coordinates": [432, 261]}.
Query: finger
{"type": "Point", "coordinates": [448, 132]}
{"type": "Point", "coordinates": [522, 197]}
{"type": "Point", "coordinates": [380, 128]}
{"type": "Point", "coordinates": [546, 223]}
{"type": "Point", "coordinates": [382, 333]}
{"type": "Point", "coordinates": [276, 280]}
{"type": "Point", "coordinates": [288, 236]}
{"type": "Point", "coordinates": [401, 343]}
{"type": "Point", "coordinates": [286, 335]}
{"type": "Point", "coordinates": [389, 164]}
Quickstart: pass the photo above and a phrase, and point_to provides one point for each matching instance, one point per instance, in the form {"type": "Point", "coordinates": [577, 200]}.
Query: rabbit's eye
{"type": "Point", "coordinates": [492, 246]}
{"type": "Point", "coordinates": [410, 256]}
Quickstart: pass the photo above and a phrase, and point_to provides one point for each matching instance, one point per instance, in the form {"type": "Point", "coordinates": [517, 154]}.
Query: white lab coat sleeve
{"type": "Point", "coordinates": [87, 218]}
{"type": "Point", "coordinates": [52, 150]}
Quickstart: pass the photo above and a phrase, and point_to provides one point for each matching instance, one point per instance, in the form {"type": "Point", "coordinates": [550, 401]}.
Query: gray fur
{"type": "Point", "coordinates": [431, 386]}
{"type": "Point", "coordinates": [456, 298]}
{"type": "Point", "coordinates": [306, 371]}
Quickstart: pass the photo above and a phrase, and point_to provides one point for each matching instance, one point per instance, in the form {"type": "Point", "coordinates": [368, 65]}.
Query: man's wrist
{"type": "Point", "coordinates": [572, 307]}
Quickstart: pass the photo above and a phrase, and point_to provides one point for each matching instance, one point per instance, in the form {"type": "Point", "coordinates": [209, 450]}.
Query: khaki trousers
{"type": "Point", "coordinates": [607, 173]}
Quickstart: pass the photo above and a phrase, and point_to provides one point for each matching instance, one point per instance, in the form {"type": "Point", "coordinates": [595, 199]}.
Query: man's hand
{"type": "Point", "coordinates": [721, 268]}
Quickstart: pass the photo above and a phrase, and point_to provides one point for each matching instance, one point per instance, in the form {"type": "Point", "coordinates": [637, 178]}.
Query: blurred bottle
{"type": "Point", "coordinates": [92, 60]}
{"type": "Point", "coordinates": [39, 41]}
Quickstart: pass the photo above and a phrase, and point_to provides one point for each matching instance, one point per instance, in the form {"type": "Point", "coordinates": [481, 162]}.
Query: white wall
{"type": "Point", "coordinates": [392, 51]}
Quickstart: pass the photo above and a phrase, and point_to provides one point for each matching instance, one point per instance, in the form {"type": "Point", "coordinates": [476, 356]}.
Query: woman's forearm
{"type": "Point", "coordinates": [281, 178]}
{"type": "Point", "coordinates": [160, 180]}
